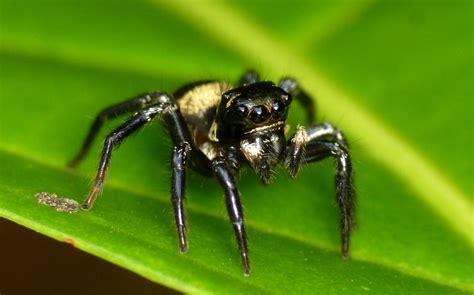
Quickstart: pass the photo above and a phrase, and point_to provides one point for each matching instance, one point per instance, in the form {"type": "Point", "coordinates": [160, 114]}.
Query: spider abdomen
{"type": "Point", "coordinates": [198, 103]}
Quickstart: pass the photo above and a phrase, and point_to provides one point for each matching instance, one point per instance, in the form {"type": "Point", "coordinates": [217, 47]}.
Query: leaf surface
{"type": "Point", "coordinates": [395, 78]}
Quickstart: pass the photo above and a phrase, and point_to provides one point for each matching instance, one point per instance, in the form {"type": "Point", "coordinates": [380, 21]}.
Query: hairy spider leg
{"type": "Point", "coordinates": [249, 77]}
{"type": "Point", "coordinates": [131, 105]}
{"type": "Point", "coordinates": [180, 155]}
{"type": "Point", "coordinates": [183, 149]}
{"type": "Point", "coordinates": [149, 105]}
{"type": "Point", "coordinates": [326, 131]}
{"type": "Point", "coordinates": [291, 86]}
{"type": "Point", "coordinates": [226, 179]}
{"type": "Point", "coordinates": [318, 142]}
{"type": "Point", "coordinates": [117, 136]}
{"type": "Point", "coordinates": [113, 140]}
{"type": "Point", "coordinates": [232, 157]}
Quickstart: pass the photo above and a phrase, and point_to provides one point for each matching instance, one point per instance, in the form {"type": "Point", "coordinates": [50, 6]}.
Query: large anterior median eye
{"type": "Point", "coordinates": [240, 111]}
{"type": "Point", "coordinates": [259, 114]}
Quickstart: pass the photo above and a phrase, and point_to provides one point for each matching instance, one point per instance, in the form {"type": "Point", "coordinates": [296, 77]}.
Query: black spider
{"type": "Point", "coordinates": [216, 128]}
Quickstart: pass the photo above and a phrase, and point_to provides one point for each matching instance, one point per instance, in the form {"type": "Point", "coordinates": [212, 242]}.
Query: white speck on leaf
{"type": "Point", "coordinates": [59, 203]}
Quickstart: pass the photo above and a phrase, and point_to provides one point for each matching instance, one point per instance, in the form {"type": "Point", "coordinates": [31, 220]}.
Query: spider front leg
{"type": "Point", "coordinates": [318, 142]}
{"type": "Point", "coordinates": [226, 179]}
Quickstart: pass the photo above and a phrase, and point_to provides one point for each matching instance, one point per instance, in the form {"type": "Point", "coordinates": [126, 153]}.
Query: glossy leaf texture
{"type": "Point", "coordinates": [395, 76]}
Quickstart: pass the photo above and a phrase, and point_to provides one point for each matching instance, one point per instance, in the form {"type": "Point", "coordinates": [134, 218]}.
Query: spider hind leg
{"type": "Point", "coordinates": [249, 77]}
{"type": "Point", "coordinates": [132, 105]}
{"type": "Point", "coordinates": [168, 111]}
{"type": "Point", "coordinates": [115, 138]}
{"type": "Point", "coordinates": [292, 86]}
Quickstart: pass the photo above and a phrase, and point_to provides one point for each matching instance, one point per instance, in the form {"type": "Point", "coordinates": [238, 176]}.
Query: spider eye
{"type": "Point", "coordinates": [240, 111]}
{"type": "Point", "coordinates": [259, 114]}
{"type": "Point", "coordinates": [278, 108]}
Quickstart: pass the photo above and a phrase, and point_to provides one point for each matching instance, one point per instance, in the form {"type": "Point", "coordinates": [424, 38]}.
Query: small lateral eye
{"type": "Point", "coordinates": [278, 108]}
{"type": "Point", "coordinates": [259, 114]}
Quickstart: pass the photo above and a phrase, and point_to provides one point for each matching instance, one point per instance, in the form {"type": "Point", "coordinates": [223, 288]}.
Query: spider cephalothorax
{"type": "Point", "coordinates": [252, 118]}
{"type": "Point", "coordinates": [216, 129]}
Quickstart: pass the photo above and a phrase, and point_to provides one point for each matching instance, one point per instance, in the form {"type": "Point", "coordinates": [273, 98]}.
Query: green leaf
{"type": "Point", "coordinates": [395, 77]}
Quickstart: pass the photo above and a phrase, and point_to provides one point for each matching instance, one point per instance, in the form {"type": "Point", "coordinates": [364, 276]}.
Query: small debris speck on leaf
{"type": "Point", "coordinates": [59, 203]}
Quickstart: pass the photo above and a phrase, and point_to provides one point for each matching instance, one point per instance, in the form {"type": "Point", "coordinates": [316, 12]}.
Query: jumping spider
{"type": "Point", "coordinates": [216, 128]}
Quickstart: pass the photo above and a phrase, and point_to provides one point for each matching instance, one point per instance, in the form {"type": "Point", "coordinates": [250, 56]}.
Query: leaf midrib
{"type": "Point", "coordinates": [391, 265]}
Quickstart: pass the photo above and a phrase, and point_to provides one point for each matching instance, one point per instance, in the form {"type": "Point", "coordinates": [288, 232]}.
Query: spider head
{"type": "Point", "coordinates": [251, 108]}
{"type": "Point", "coordinates": [253, 116]}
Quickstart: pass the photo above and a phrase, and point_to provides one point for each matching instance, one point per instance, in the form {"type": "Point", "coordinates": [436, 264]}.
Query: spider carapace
{"type": "Point", "coordinates": [216, 129]}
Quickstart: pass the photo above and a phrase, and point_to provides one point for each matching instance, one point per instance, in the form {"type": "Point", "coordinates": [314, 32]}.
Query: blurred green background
{"type": "Point", "coordinates": [395, 76]}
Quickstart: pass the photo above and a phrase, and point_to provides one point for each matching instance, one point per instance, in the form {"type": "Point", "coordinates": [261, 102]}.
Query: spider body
{"type": "Point", "coordinates": [249, 119]}
{"type": "Point", "coordinates": [216, 128]}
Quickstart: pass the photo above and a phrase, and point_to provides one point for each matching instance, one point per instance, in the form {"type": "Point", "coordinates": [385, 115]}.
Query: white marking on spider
{"type": "Point", "coordinates": [301, 136]}
{"type": "Point", "coordinates": [251, 151]}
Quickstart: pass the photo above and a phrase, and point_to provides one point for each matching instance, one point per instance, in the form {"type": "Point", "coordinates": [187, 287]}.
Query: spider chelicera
{"type": "Point", "coordinates": [216, 128]}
